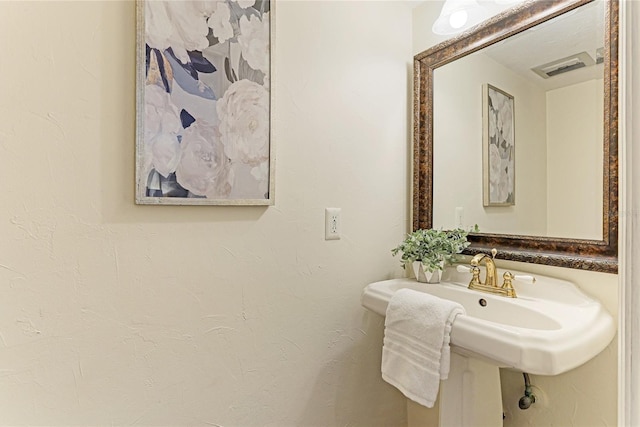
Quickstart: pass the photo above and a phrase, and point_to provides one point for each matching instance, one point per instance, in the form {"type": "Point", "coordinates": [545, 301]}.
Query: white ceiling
{"type": "Point", "coordinates": [581, 30]}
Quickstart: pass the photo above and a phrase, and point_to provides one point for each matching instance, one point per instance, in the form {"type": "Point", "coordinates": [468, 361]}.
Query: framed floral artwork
{"type": "Point", "coordinates": [498, 148]}
{"type": "Point", "coordinates": [203, 102]}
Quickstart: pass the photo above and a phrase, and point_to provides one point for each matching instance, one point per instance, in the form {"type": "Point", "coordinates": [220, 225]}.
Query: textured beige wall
{"type": "Point", "coordinates": [116, 314]}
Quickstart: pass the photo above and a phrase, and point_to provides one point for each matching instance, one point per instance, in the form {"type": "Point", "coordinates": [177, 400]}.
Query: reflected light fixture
{"type": "Point", "coordinates": [458, 15]}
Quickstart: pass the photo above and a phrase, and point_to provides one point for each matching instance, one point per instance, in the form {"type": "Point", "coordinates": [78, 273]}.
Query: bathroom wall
{"type": "Point", "coordinates": [117, 314]}
{"type": "Point", "coordinates": [587, 395]}
{"type": "Point", "coordinates": [581, 106]}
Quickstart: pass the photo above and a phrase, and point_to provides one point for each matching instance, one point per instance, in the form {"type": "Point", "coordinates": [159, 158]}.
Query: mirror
{"type": "Point", "coordinates": [515, 130]}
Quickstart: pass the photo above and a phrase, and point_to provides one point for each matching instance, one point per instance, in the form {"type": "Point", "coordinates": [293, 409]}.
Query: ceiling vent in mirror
{"type": "Point", "coordinates": [564, 65]}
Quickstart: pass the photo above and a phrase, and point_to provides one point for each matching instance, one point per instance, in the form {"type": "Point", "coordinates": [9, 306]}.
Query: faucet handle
{"type": "Point", "coordinates": [509, 277]}
{"type": "Point", "coordinates": [524, 278]}
{"type": "Point", "coordinates": [507, 285]}
{"type": "Point", "coordinates": [475, 273]}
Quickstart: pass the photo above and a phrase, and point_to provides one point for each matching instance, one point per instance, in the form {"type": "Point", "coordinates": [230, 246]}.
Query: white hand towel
{"type": "Point", "coordinates": [415, 354]}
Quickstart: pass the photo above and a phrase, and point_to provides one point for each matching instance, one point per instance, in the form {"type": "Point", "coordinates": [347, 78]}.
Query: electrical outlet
{"type": "Point", "coordinates": [332, 223]}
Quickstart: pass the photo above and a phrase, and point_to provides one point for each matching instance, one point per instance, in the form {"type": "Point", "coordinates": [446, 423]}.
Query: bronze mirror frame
{"type": "Point", "coordinates": [594, 255]}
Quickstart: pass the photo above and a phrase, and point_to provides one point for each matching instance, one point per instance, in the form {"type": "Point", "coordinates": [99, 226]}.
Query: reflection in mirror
{"type": "Point", "coordinates": [558, 131]}
{"type": "Point", "coordinates": [558, 60]}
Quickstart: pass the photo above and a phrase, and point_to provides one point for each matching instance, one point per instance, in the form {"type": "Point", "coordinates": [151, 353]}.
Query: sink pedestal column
{"type": "Point", "coordinates": [470, 397]}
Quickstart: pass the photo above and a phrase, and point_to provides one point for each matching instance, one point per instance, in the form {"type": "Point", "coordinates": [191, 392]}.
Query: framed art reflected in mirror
{"type": "Point", "coordinates": [498, 147]}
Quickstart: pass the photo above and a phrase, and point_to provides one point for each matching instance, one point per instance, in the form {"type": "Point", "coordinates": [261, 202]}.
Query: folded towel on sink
{"type": "Point", "coordinates": [415, 353]}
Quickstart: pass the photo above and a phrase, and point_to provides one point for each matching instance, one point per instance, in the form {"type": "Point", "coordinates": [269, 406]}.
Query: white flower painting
{"type": "Point", "coordinates": [499, 147]}
{"type": "Point", "coordinates": [204, 102]}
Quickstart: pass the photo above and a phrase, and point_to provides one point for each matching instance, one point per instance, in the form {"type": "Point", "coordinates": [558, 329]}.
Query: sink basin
{"type": "Point", "coordinates": [552, 327]}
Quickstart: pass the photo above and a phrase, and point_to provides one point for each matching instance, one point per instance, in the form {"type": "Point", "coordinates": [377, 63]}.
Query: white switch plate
{"type": "Point", "coordinates": [332, 223]}
{"type": "Point", "coordinates": [458, 217]}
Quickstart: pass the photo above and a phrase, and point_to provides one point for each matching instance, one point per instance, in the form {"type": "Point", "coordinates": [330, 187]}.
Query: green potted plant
{"type": "Point", "coordinates": [427, 250]}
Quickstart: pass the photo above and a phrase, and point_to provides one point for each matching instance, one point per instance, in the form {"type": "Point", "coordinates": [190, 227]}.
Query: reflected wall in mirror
{"type": "Point", "coordinates": [559, 61]}
{"type": "Point", "coordinates": [558, 129]}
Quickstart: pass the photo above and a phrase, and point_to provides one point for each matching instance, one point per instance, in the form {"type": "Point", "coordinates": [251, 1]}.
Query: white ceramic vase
{"type": "Point", "coordinates": [424, 275]}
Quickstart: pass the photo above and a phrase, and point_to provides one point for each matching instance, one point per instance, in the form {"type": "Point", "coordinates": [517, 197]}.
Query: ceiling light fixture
{"type": "Point", "coordinates": [458, 15]}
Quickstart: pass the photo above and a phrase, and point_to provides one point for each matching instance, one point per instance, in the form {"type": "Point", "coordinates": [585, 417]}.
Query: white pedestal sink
{"type": "Point", "coordinates": [550, 328]}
